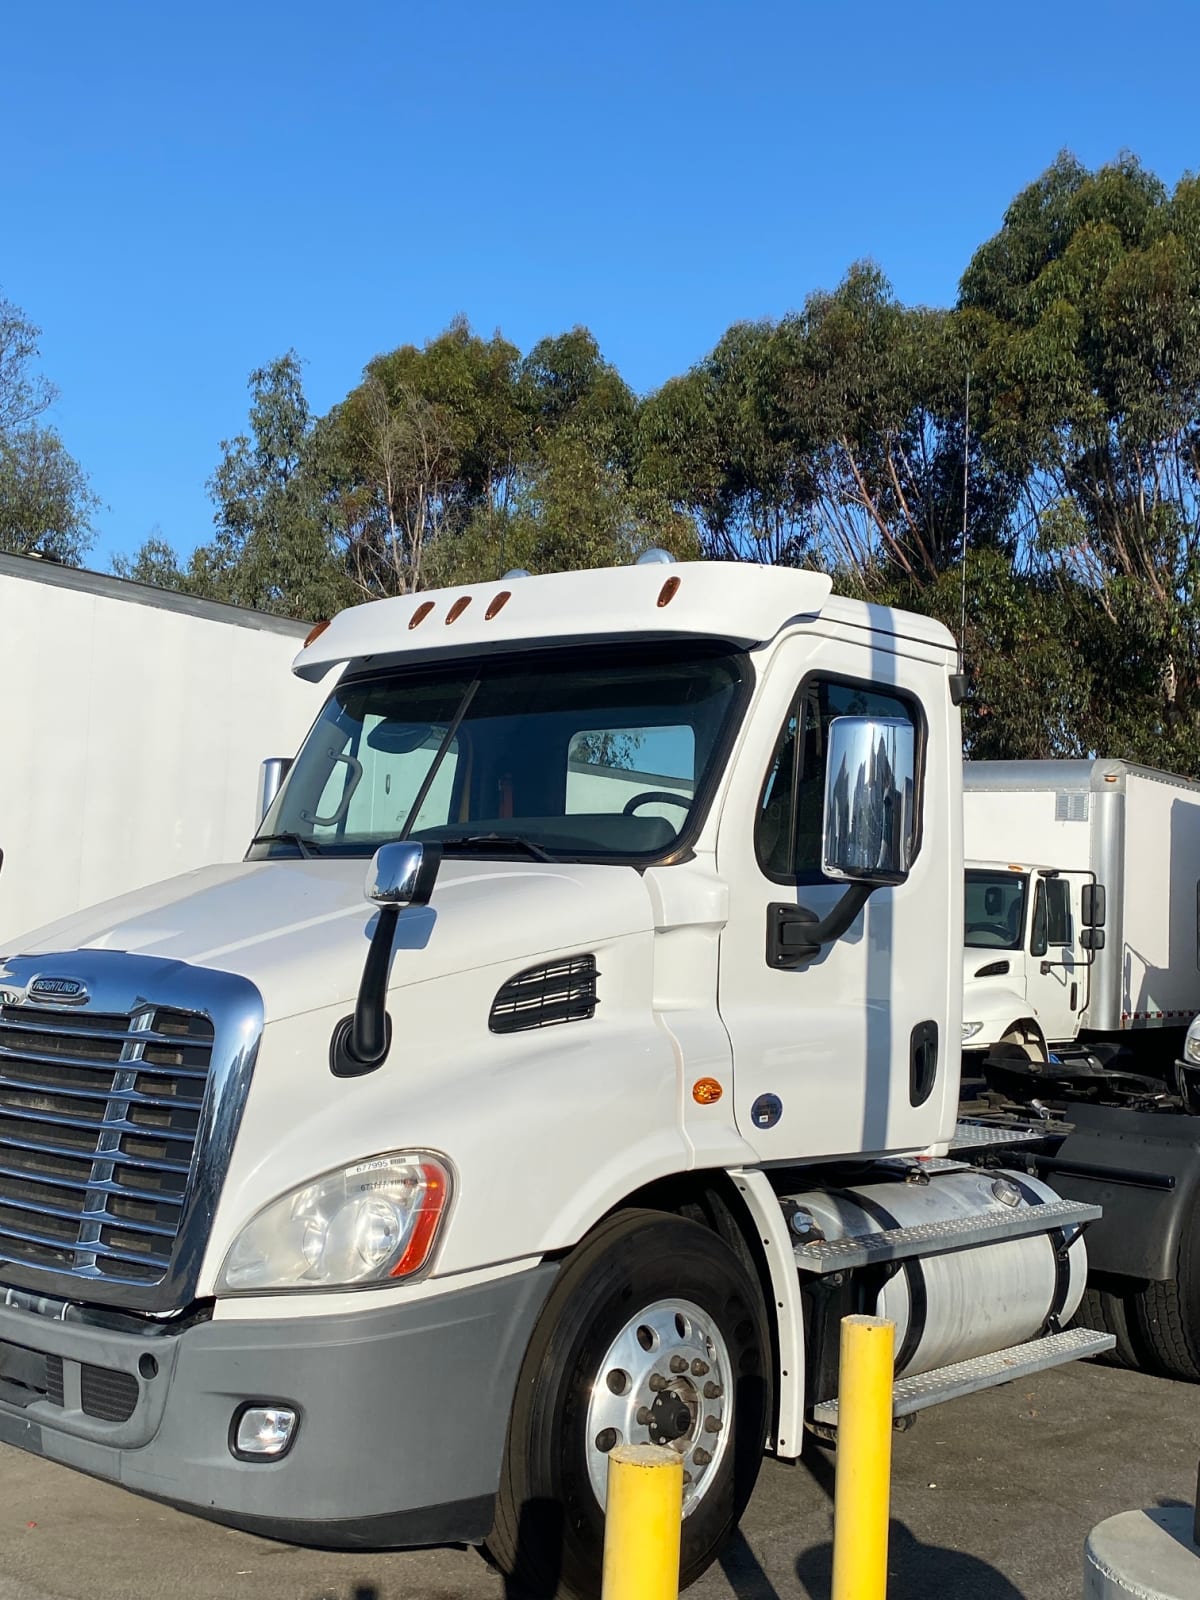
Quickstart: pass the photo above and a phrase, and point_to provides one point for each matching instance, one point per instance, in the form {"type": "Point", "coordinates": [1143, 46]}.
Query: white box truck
{"type": "Point", "coordinates": [135, 720]}
{"type": "Point", "coordinates": [1082, 917]}
{"type": "Point", "coordinates": [1081, 972]}
{"type": "Point", "coordinates": [373, 1224]}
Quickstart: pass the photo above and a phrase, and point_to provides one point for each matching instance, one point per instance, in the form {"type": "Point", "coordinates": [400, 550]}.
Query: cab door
{"type": "Point", "coordinates": [1056, 985]}
{"type": "Point", "coordinates": [845, 1052]}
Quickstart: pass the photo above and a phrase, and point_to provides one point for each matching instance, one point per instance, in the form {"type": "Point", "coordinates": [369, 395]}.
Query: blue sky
{"type": "Point", "coordinates": [188, 191]}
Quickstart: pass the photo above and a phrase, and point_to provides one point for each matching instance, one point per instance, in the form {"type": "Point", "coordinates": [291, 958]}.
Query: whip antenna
{"type": "Point", "coordinates": [962, 618]}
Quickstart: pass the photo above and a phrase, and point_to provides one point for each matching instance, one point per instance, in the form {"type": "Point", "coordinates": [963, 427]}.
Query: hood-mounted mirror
{"type": "Point", "coordinates": [400, 874]}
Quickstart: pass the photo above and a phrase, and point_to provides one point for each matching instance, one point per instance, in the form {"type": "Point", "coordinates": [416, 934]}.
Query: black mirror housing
{"type": "Point", "coordinates": [1092, 908]}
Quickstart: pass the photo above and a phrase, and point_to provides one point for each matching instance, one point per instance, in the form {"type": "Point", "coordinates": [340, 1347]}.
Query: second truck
{"type": "Point", "coordinates": [1081, 973]}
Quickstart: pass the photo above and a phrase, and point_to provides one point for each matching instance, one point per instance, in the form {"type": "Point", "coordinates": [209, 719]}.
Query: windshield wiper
{"type": "Point", "coordinates": [497, 841]}
{"type": "Point", "coordinates": [307, 847]}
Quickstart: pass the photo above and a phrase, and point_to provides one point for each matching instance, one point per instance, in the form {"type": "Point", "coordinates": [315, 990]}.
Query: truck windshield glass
{"type": "Point", "coordinates": [995, 909]}
{"type": "Point", "coordinates": [597, 755]}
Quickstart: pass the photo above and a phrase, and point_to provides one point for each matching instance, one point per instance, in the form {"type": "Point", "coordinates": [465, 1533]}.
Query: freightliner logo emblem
{"type": "Point", "coordinates": [59, 991]}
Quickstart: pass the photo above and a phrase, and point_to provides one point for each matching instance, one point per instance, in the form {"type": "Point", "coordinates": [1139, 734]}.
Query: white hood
{"type": "Point", "coordinates": [299, 930]}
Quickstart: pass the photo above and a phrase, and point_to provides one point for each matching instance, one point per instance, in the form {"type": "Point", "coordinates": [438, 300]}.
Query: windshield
{"type": "Point", "coordinates": [995, 907]}
{"type": "Point", "coordinates": [591, 754]}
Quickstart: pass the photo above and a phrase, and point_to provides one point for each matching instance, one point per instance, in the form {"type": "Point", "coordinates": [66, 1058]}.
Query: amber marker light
{"type": "Point", "coordinates": [668, 591]}
{"type": "Point", "coordinates": [425, 1227]}
{"type": "Point", "coordinates": [706, 1091]}
{"type": "Point", "coordinates": [457, 609]}
{"type": "Point", "coordinates": [315, 632]}
{"type": "Point", "coordinates": [497, 605]}
{"type": "Point", "coordinates": [420, 613]}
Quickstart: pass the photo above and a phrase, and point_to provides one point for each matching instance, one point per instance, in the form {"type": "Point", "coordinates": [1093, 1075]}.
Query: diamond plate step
{"type": "Point", "coordinates": [984, 1372]}
{"type": "Point", "coordinates": [981, 1136]}
{"type": "Point", "coordinates": [936, 1238]}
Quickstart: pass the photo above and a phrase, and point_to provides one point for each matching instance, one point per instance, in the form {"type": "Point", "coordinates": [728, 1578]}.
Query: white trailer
{"type": "Point", "coordinates": [135, 721]}
{"type": "Point", "coordinates": [1040, 837]}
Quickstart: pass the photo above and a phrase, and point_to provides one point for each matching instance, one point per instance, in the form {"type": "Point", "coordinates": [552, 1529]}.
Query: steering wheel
{"type": "Point", "coordinates": [659, 796]}
{"type": "Point", "coordinates": [998, 928]}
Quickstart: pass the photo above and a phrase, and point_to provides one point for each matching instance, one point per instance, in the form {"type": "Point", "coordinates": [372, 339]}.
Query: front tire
{"type": "Point", "coordinates": [654, 1333]}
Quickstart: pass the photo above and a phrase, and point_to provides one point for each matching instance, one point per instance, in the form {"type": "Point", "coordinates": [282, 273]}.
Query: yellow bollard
{"type": "Point", "coordinates": [642, 1522]}
{"type": "Point", "coordinates": [864, 1460]}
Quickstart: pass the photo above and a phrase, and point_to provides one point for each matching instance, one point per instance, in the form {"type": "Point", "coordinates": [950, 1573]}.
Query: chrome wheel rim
{"type": "Point", "coordinates": [665, 1379]}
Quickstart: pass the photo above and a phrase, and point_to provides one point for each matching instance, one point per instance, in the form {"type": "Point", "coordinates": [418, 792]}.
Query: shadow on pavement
{"type": "Point", "coordinates": [916, 1571]}
{"type": "Point", "coordinates": [743, 1571]}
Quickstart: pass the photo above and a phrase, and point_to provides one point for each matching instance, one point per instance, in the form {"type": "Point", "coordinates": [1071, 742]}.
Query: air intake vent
{"type": "Point", "coordinates": [1070, 807]}
{"type": "Point", "coordinates": [539, 997]}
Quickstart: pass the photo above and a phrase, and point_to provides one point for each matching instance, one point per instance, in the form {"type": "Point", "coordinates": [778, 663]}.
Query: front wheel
{"type": "Point", "coordinates": [655, 1333]}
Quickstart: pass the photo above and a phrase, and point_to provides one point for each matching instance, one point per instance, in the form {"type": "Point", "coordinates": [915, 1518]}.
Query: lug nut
{"type": "Point", "coordinates": [687, 1478]}
{"type": "Point", "coordinates": [701, 1456]}
{"type": "Point", "coordinates": [644, 1415]}
{"type": "Point", "coordinates": [678, 1364]}
{"type": "Point", "coordinates": [699, 1368]}
{"type": "Point", "coordinates": [712, 1391]}
{"type": "Point", "coordinates": [657, 1382]}
{"type": "Point", "coordinates": [712, 1424]}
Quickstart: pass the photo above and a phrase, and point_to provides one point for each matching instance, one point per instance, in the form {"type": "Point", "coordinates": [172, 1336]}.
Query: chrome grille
{"type": "Point", "coordinates": [99, 1116]}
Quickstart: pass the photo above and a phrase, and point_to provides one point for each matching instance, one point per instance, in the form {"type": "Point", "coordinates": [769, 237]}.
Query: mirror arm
{"type": "Point", "coordinates": [361, 1042]}
{"type": "Point", "coordinates": [795, 934]}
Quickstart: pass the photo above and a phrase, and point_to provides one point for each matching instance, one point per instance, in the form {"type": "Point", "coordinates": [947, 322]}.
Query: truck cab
{"type": "Point", "coordinates": [576, 1043]}
{"type": "Point", "coordinates": [1025, 974]}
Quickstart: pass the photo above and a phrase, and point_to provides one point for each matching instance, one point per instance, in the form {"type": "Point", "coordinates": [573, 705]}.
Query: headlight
{"type": "Point", "coordinates": [1191, 1047]}
{"type": "Point", "coordinates": [373, 1221]}
{"type": "Point", "coordinates": [970, 1029]}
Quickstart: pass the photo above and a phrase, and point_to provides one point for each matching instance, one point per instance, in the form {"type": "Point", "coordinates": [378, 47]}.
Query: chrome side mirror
{"type": "Point", "coordinates": [270, 780]}
{"type": "Point", "coordinates": [402, 874]}
{"type": "Point", "coordinates": [870, 791]}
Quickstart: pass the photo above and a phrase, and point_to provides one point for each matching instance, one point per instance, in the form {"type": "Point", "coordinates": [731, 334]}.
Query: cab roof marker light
{"type": "Point", "coordinates": [457, 609]}
{"type": "Point", "coordinates": [315, 632]}
{"type": "Point", "coordinates": [497, 605]}
{"type": "Point", "coordinates": [668, 591]}
{"type": "Point", "coordinates": [420, 614]}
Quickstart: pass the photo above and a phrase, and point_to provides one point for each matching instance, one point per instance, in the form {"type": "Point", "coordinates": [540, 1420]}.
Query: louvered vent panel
{"type": "Point", "coordinates": [540, 997]}
{"type": "Point", "coordinates": [1070, 807]}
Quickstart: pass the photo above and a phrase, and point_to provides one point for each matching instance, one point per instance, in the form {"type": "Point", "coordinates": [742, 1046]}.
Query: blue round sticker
{"type": "Point", "coordinates": [766, 1111]}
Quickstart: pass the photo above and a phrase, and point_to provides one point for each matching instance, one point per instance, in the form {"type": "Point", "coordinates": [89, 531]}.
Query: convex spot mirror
{"type": "Point", "coordinates": [399, 738]}
{"type": "Point", "coordinates": [402, 874]}
{"type": "Point", "coordinates": [870, 789]}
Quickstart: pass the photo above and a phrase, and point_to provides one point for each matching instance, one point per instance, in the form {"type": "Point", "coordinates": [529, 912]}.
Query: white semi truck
{"type": "Point", "coordinates": [1081, 972]}
{"type": "Point", "coordinates": [134, 723]}
{"type": "Point", "coordinates": [373, 1224]}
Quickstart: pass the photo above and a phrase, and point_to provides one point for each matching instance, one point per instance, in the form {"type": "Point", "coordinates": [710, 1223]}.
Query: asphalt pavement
{"type": "Point", "coordinates": [992, 1498]}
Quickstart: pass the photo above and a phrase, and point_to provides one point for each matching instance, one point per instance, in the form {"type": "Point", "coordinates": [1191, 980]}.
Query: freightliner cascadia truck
{"type": "Point", "coordinates": [379, 1220]}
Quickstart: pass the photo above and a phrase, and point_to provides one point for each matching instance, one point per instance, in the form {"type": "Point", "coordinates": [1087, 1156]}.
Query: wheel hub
{"type": "Point", "coordinates": [664, 1380]}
